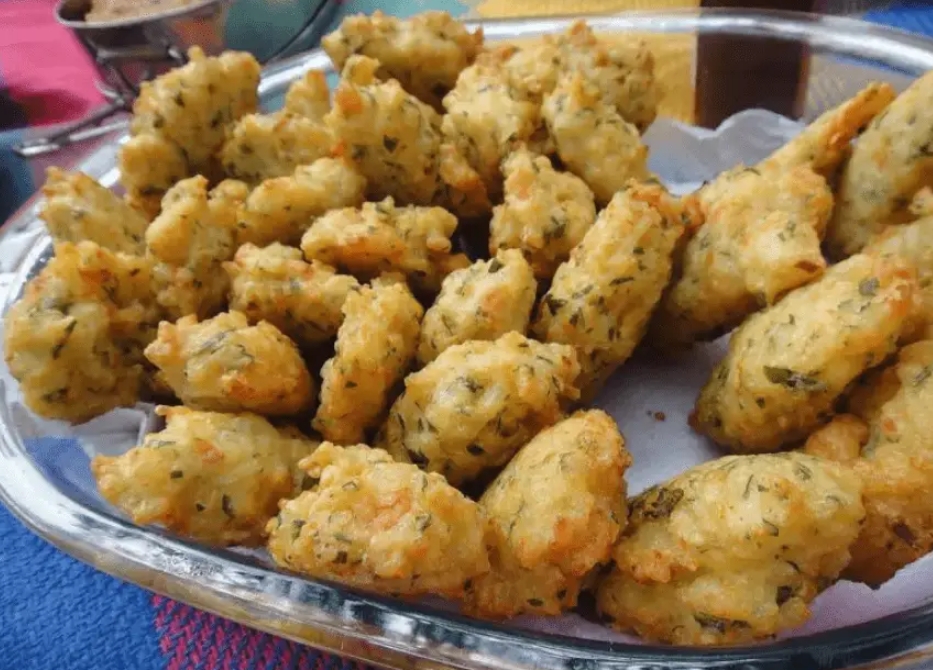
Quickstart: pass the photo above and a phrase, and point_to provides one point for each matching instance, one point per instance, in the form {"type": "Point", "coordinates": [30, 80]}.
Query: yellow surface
{"type": "Point", "coordinates": [674, 54]}
{"type": "Point", "coordinates": [500, 8]}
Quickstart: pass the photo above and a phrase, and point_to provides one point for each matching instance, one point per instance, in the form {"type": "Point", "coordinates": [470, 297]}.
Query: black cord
{"type": "Point", "coordinates": [313, 29]}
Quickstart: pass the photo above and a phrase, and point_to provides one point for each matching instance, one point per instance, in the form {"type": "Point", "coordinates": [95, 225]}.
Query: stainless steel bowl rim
{"type": "Point", "coordinates": [135, 21]}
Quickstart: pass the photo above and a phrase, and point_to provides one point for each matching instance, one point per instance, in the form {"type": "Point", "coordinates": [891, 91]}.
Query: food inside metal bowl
{"type": "Point", "coordinates": [117, 10]}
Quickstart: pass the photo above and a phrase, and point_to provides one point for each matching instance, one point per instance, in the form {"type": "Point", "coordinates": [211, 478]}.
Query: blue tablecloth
{"type": "Point", "coordinates": [58, 613]}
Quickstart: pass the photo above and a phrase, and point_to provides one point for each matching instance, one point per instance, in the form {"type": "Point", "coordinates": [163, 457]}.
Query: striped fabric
{"type": "Point", "coordinates": [192, 640]}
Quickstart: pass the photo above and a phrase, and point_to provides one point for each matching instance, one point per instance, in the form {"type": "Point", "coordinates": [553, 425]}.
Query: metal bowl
{"type": "Point", "coordinates": [132, 50]}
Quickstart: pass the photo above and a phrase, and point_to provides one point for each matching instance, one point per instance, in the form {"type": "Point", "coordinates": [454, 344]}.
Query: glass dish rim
{"type": "Point", "coordinates": [213, 580]}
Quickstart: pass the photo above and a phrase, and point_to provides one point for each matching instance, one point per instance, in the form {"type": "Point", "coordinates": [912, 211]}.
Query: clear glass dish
{"type": "Point", "coordinates": [845, 55]}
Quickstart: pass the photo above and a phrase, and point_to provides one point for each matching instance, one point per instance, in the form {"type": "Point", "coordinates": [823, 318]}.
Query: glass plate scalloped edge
{"type": "Point", "coordinates": [396, 633]}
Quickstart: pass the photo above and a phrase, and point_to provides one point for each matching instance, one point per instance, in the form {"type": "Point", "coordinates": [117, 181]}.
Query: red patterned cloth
{"type": "Point", "coordinates": [193, 640]}
{"type": "Point", "coordinates": [45, 75]}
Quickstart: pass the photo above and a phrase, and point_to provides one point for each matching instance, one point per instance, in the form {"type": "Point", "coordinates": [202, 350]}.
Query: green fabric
{"type": "Point", "coordinates": [263, 26]}
{"type": "Point", "coordinates": [400, 7]}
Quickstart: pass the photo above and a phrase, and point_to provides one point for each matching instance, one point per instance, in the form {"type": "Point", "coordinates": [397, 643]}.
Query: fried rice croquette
{"type": "Point", "coordinates": [601, 299]}
{"type": "Point", "coordinates": [477, 403]}
{"type": "Point", "coordinates": [481, 302]}
{"type": "Point", "coordinates": [788, 365]}
{"type": "Point", "coordinates": [74, 340]}
{"type": "Point", "coordinates": [274, 284]}
{"type": "Point", "coordinates": [487, 118]}
{"type": "Point", "coordinates": [380, 237]}
{"type": "Point", "coordinates": [759, 239]}
{"type": "Point", "coordinates": [379, 525]}
{"type": "Point", "coordinates": [555, 512]}
{"type": "Point", "coordinates": [226, 365]}
{"type": "Point", "coordinates": [890, 446]}
{"type": "Point", "coordinates": [189, 240]}
{"type": "Point", "coordinates": [216, 478]}
{"type": "Point", "coordinates": [496, 105]}
{"type": "Point", "coordinates": [890, 162]}
{"type": "Point", "coordinates": [282, 209]}
{"type": "Point", "coordinates": [921, 206]}
{"type": "Point", "coordinates": [593, 140]}
{"type": "Point", "coordinates": [733, 550]}
{"type": "Point", "coordinates": [531, 69]}
{"type": "Point", "coordinates": [265, 146]}
{"type": "Point", "coordinates": [395, 142]}
{"type": "Point", "coordinates": [77, 208]}
{"type": "Point", "coordinates": [190, 106]}
{"type": "Point", "coordinates": [183, 114]}
{"type": "Point", "coordinates": [839, 440]}
{"type": "Point", "coordinates": [825, 143]}
{"type": "Point", "coordinates": [913, 243]}
{"type": "Point", "coordinates": [149, 167]}
{"type": "Point", "coordinates": [375, 347]}
{"type": "Point", "coordinates": [623, 71]}
{"type": "Point", "coordinates": [425, 53]}
{"type": "Point", "coordinates": [546, 213]}
{"type": "Point", "coordinates": [309, 96]}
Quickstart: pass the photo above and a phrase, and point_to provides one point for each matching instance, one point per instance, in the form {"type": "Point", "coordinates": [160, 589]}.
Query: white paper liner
{"type": "Point", "coordinates": [649, 398]}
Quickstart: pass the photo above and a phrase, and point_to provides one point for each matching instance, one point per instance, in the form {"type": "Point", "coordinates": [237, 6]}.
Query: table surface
{"type": "Point", "coordinates": [55, 611]}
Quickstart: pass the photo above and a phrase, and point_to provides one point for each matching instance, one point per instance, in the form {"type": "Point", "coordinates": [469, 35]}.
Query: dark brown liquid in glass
{"type": "Point", "coordinates": [735, 73]}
